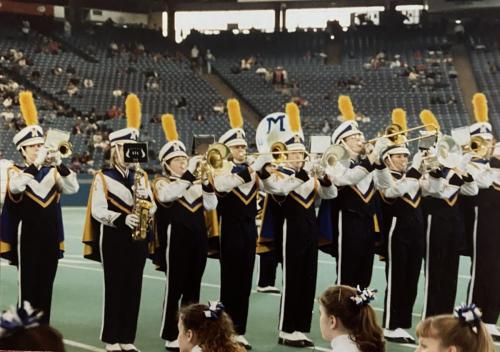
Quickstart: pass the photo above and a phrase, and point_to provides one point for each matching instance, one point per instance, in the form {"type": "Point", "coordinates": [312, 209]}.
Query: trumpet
{"type": "Point", "coordinates": [447, 153]}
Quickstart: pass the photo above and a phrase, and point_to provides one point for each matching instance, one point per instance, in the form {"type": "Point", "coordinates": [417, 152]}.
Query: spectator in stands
{"type": "Point", "coordinates": [88, 83]}
{"type": "Point", "coordinates": [194, 56]}
{"type": "Point", "coordinates": [113, 112]}
{"type": "Point", "coordinates": [181, 103]}
{"type": "Point", "coordinates": [53, 47]}
{"type": "Point", "coordinates": [117, 93]}
{"type": "Point", "coordinates": [26, 28]}
{"type": "Point", "coordinates": [326, 127]}
{"type": "Point", "coordinates": [199, 116]}
{"type": "Point", "coordinates": [209, 59]}
{"type": "Point", "coordinates": [219, 107]}
{"type": "Point", "coordinates": [72, 89]}
{"type": "Point", "coordinates": [57, 71]}
{"type": "Point", "coordinates": [493, 67]}
{"type": "Point", "coordinates": [35, 75]}
{"type": "Point", "coordinates": [70, 70]}
{"type": "Point", "coordinates": [7, 102]}
{"type": "Point", "coordinates": [67, 29]}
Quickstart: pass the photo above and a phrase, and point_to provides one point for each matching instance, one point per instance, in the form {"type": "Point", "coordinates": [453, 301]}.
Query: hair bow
{"type": "Point", "coordinates": [215, 308]}
{"type": "Point", "coordinates": [364, 296]}
{"type": "Point", "coordinates": [470, 314]}
{"type": "Point", "coordinates": [15, 319]}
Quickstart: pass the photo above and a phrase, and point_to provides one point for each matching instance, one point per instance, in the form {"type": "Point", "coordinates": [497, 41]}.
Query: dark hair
{"type": "Point", "coordinates": [214, 333]}
{"type": "Point", "coordinates": [451, 331]}
{"type": "Point", "coordinates": [358, 319]}
{"type": "Point", "coordinates": [39, 338]}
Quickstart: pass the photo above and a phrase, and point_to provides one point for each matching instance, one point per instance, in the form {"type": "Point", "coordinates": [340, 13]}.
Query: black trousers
{"type": "Point", "coordinates": [356, 246]}
{"type": "Point", "coordinates": [484, 287]}
{"type": "Point", "coordinates": [300, 265]}
{"type": "Point", "coordinates": [37, 267]}
{"type": "Point", "coordinates": [442, 258]}
{"type": "Point", "coordinates": [123, 263]}
{"type": "Point", "coordinates": [268, 263]}
{"type": "Point", "coordinates": [237, 258]}
{"type": "Point", "coordinates": [405, 246]}
{"type": "Point", "coordinates": [186, 258]}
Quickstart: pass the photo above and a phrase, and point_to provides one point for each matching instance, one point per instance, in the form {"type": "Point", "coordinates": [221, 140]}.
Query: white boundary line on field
{"type": "Point", "coordinates": [83, 346]}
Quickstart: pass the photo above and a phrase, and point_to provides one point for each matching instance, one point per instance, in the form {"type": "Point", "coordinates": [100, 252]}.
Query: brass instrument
{"type": "Point", "coordinates": [334, 154]}
{"type": "Point", "coordinates": [141, 208]}
{"type": "Point", "coordinates": [214, 162]}
{"type": "Point", "coordinates": [396, 135]}
{"type": "Point", "coordinates": [478, 146]}
{"type": "Point", "coordinates": [447, 153]}
{"type": "Point", "coordinates": [58, 141]}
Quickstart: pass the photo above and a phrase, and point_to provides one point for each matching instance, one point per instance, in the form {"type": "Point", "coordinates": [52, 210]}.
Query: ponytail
{"type": "Point", "coordinates": [352, 308]}
{"type": "Point", "coordinates": [465, 330]}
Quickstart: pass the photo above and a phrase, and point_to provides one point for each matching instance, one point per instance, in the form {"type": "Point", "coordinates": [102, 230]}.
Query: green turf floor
{"type": "Point", "coordinates": [77, 301]}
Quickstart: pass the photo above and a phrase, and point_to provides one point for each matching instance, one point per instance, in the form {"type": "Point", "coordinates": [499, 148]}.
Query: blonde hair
{"type": "Point", "coordinates": [452, 331]}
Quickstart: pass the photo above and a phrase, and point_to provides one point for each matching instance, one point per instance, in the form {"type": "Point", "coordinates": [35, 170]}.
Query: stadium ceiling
{"type": "Point", "coordinates": [144, 6]}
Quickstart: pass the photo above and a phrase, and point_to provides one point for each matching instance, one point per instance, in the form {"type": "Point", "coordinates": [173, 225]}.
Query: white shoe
{"type": "Point", "coordinates": [406, 335]}
{"type": "Point", "coordinates": [268, 289]}
{"type": "Point", "coordinates": [128, 347]}
{"type": "Point", "coordinates": [243, 341]}
{"type": "Point", "coordinates": [306, 340]}
{"type": "Point", "coordinates": [290, 336]}
{"type": "Point", "coordinates": [172, 345]}
{"type": "Point", "coordinates": [115, 347]}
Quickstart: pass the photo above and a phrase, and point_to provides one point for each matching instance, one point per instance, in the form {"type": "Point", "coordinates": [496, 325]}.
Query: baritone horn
{"type": "Point", "coordinates": [333, 155]}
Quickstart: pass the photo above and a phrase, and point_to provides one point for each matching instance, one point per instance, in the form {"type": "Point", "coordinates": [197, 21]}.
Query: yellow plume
{"type": "Point", "coordinates": [480, 107]}
{"type": "Point", "coordinates": [169, 127]}
{"type": "Point", "coordinates": [28, 108]}
{"type": "Point", "coordinates": [428, 118]}
{"type": "Point", "coordinates": [293, 113]}
{"type": "Point", "coordinates": [133, 111]}
{"type": "Point", "coordinates": [399, 118]}
{"type": "Point", "coordinates": [346, 108]}
{"type": "Point", "coordinates": [234, 112]}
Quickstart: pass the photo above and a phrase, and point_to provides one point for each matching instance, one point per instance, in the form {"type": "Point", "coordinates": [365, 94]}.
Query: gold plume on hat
{"type": "Point", "coordinates": [346, 108]}
{"type": "Point", "coordinates": [428, 118]}
{"type": "Point", "coordinates": [480, 107]}
{"type": "Point", "coordinates": [399, 118]}
{"type": "Point", "coordinates": [293, 113]}
{"type": "Point", "coordinates": [169, 127]}
{"type": "Point", "coordinates": [133, 111]}
{"type": "Point", "coordinates": [234, 112]}
{"type": "Point", "coordinates": [28, 108]}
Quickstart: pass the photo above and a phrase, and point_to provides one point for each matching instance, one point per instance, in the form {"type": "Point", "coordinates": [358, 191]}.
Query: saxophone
{"type": "Point", "coordinates": [141, 208]}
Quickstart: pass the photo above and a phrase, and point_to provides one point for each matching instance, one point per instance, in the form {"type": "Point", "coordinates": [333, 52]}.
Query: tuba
{"type": "Point", "coordinates": [141, 208]}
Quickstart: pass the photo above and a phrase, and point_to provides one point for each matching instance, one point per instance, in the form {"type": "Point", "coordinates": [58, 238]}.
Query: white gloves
{"type": "Point", "coordinates": [262, 160]}
{"type": "Point", "coordinates": [417, 161]}
{"type": "Point", "coordinates": [40, 156]}
{"type": "Point", "coordinates": [193, 163]}
{"type": "Point", "coordinates": [464, 162]}
{"type": "Point", "coordinates": [141, 191]}
{"type": "Point", "coordinates": [132, 221]}
{"type": "Point", "coordinates": [55, 158]}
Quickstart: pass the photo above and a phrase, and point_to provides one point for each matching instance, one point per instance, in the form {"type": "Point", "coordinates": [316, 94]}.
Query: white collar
{"type": "Point", "coordinates": [196, 349]}
{"type": "Point", "coordinates": [344, 343]}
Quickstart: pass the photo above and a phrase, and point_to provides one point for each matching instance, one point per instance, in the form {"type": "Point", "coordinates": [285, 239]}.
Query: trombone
{"type": "Point", "coordinates": [395, 134]}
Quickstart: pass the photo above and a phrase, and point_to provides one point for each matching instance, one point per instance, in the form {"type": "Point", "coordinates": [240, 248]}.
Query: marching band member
{"type": "Point", "coordinates": [444, 232]}
{"type": "Point", "coordinates": [403, 234]}
{"type": "Point", "coordinates": [351, 218]}
{"type": "Point", "coordinates": [269, 241]}
{"type": "Point", "coordinates": [237, 196]}
{"type": "Point", "coordinates": [110, 223]}
{"type": "Point", "coordinates": [484, 288]}
{"type": "Point", "coordinates": [300, 235]}
{"type": "Point", "coordinates": [32, 204]}
{"type": "Point", "coordinates": [4, 168]}
{"type": "Point", "coordinates": [180, 225]}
